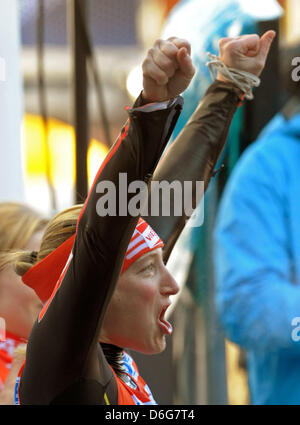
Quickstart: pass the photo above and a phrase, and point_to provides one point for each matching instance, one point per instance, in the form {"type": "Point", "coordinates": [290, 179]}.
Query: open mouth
{"type": "Point", "coordinates": [165, 326]}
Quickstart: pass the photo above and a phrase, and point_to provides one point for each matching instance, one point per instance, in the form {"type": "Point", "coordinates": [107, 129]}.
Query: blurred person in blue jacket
{"type": "Point", "coordinates": [257, 254]}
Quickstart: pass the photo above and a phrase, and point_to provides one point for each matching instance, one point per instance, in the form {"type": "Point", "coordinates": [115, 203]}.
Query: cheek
{"type": "Point", "coordinates": [28, 295]}
{"type": "Point", "coordinates": [148, 293]}
{"type": "Point", "coordinates": [14, 289]}
{"type": "Point", "coordinates": [143, 297]}
{"type": "Point", "coordinates": [136, 294]}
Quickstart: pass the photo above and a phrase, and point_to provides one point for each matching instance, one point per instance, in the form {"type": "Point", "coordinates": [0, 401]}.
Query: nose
{"type": "Point", "coordinates": [168, 286]}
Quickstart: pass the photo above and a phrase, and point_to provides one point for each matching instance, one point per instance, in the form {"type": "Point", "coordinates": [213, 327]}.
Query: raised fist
{"type": "Point", "coordinates": [167, 69]}
{"type": "Point", "coordinates": [245, 53]}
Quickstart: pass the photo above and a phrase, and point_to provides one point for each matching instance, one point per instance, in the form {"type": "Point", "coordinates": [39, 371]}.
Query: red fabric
{"type": "Point", "coordinates": [241, 100]}
{"type": "Point", "coordinates": [43, 276]}
{"type": "Point", "coordinates": [126, 393]}
{"type": "Point", "coordinates": [7, 348]}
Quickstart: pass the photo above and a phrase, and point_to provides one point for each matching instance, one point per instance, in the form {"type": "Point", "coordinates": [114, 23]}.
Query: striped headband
{"type": "Point", "coordinates": [43, 276]}
{"type": "Point", "coordinates": [144, 239]}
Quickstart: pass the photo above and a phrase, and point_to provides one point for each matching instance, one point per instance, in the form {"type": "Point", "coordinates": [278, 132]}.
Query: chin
{"type": "Point", "coordinates": [156, 348]}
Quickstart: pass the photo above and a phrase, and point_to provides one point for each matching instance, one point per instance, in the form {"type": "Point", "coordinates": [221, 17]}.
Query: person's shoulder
{"type": "Point", "coordinates": [272, 154]}
{"type": "Point", "coordinates": [280, 137]}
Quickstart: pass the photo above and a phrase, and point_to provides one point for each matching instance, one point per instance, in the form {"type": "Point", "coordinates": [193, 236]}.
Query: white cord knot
{"type": "Point", "coordinates": [242, 79]}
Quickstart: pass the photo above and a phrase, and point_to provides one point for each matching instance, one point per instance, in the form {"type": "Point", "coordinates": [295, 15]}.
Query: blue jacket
{"type": "Point", "coordinates": [257, 259]}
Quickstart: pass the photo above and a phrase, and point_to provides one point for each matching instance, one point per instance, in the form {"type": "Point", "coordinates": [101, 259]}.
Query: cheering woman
{"type": "Point", "coordinates": [102, 278]}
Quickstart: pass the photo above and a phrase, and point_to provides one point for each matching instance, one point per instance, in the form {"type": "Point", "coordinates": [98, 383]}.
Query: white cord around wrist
{"type": "Point", "coordinates": [242, 79]}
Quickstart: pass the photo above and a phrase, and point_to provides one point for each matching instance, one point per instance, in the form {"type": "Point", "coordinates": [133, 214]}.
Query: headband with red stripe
{"type": "Point", "coordinates": [143, 240]}
{"type": "Point", "coordinates": [43, 276]}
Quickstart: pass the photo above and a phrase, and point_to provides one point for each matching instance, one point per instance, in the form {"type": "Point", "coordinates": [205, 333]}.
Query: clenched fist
{"type": "Point", "coordinates": [245, 53]}
{"type": "Point", "coordinates": [167, 69]}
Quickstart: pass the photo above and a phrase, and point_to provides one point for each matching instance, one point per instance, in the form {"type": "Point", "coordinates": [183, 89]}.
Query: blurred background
{"type": "Point", "coordinates": [67, 70]}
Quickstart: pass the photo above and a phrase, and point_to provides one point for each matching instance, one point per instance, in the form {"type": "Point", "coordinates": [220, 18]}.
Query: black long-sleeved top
{"type": "Point", "coordinates": [64, 361]}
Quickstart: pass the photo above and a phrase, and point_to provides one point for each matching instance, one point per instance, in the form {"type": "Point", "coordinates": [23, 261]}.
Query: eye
{"type": "Point", "coordinates": [149, 268]}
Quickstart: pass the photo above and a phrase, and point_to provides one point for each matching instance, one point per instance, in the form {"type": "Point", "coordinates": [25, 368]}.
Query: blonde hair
{"type": "Point", "coordinates": [18, 223]}
{"type": "Point", "coordinates": [58, 230]}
